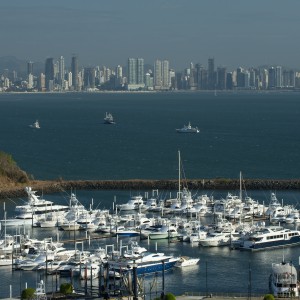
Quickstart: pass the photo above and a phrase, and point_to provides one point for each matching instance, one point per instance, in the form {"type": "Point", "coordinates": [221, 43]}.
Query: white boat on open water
{"type": "Point", "coordinates": [35, 125]}
{"type": "Point", "coordinates": [188, 129]}
{"type": "Point", "coordinates": [109, 119]}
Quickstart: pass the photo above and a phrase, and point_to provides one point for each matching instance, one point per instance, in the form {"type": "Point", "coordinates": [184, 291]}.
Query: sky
{"type": "Point", "coordinates": [107, 32]}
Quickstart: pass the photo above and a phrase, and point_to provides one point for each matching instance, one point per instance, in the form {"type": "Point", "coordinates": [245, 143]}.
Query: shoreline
{"type": "Point", "coordinates": [49, 187]}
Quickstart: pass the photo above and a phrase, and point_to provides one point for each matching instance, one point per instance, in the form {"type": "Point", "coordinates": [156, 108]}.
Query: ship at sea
{"type": "Point", "coordinates": [109, 119]}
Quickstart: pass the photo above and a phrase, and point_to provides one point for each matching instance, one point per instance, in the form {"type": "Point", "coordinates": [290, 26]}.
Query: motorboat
{"type": "Point", "coordinates": [109, 119]}
{"type": "Point", "coordinates": [26, 214]}
{"type": "Point", "coordinates": [164, 232]}
{"type": "Point", "coordinates": [283, 280]}
{"type": "Point", "coordinates": [271, 237]}
{"type": "Point", "coordinates": [148, 263]}
{"type": "Point", "coordinates": [185, 261]}
{"type": "Point", "coordinates": [216, 239]}
{"type": "Point", "coordinates": [134, 203]}
{"type": "Point", "coordinates": [35, 125]}
{"type": "Point", "coordinates": [188, 129]}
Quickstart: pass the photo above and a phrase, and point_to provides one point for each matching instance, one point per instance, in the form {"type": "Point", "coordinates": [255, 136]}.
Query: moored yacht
{"type": "Point", "coordinates": [271, 237]}
{"type": "Point", "coordinates": [33, 207]}
{"type": "Point", "coordinates": [283, 280]}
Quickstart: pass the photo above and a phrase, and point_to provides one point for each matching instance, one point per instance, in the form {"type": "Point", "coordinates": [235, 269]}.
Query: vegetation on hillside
{"type": "Point", "coordinates": [9, 171]}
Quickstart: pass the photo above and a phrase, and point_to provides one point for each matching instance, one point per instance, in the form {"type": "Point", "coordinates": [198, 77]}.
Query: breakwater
{"type": "Point", "coordinates": [49, 187]}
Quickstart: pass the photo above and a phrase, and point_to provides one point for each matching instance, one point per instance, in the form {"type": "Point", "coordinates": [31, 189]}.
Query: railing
{"type": "Point", "coordinates": [224, 295]}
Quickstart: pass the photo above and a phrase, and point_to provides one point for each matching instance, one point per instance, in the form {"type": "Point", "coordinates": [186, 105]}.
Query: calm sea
{"type": "Point", "coordinates": [256, 133]}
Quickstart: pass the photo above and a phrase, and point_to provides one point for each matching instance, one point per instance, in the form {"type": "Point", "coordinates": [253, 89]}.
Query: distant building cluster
{"type": "Point", "coordinates": [56, 77]}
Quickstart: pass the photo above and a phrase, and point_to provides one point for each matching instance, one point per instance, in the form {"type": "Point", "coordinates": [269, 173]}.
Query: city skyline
{"type": "Point", "coordinates": [107, 33]}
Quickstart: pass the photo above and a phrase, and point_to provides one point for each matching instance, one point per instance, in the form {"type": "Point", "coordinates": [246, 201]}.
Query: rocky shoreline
{"type": "Point", "coordinates": [48, 187]}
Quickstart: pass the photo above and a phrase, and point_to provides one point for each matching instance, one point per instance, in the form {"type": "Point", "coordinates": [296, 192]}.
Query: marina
{"type": "Point", "coordinates": [204, 261]}
{"type": "Point", "coordinates": [126, 152]}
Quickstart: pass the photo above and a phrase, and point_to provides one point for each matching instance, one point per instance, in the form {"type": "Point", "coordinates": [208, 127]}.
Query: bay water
{"type": "Point", "coordinates": [256, 133]}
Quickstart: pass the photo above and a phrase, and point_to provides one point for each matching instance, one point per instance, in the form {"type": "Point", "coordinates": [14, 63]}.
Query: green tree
{"type": "Point", "coordinates": [170, 296]}
{"type": "Point", "coordinates": [66, 288]}
{"type": "Point", "coordinates": [269, 297]}
{"type": "Point", "coordinates": [28, 293]}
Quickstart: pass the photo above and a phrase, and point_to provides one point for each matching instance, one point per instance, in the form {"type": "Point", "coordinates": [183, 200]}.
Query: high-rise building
{"type": "Point", "coordinates": [89, 78]}
{"type": "Point", "coordinates": [61, 71]}
{"type": "Point", "coordinates": [49, 74]}
{"type": "Point", "coordinates": [278, 77]}
{"type": "Point", "coordinates": [140, 71]}
{"type": "Point", "coordinates": [135, 74]}
{"type": "Point", "coordinates": [221, 78]}
{"type": "Point", "coordinates": [29, 68]}
{"type": "Point", "coordinates": [161, 75]}
{"type": "Point", "coordinates": [74, 70]}
{"type": "Point", "coordinates": [211, 74]}
{"type": "Point", "coordinates": [272, 78]}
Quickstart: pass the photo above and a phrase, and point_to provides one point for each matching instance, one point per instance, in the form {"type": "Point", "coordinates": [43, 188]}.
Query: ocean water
{"type": "Point", "coordinates": [256, 133]}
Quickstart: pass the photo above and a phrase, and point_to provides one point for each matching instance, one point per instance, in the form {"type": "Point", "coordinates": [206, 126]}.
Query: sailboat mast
{"type": "Point", "coordinates": [179, 171]}
{"type": "Point", "coordinates": [241, 194]}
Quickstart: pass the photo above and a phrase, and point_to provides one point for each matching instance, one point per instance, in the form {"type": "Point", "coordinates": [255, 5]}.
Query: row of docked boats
{"type": "Point", "coordinates": [34, 255]}
{"type": "Point", "coordinates": [173, 219]}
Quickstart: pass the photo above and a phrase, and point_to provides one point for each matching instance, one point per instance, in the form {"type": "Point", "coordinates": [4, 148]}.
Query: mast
{"type": "Point", "coordinates": [241, 194]}
{"type": "Point", "coordinates": [179, 163]}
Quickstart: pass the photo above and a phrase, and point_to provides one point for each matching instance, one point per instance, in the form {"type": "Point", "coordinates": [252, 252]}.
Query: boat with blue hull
{"type": "Point", "coordinates": [271, 237]}
{"type": "Point", "coordinates": [147, 264]}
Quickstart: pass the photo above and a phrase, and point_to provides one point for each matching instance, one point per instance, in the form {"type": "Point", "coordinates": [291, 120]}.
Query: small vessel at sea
{"type": "Point", "coordinates": [283, 280]}
{"type": "Point", "coordinates": [188, 129]}
{"type": "Point", "coordinates": [35, 125]}
{"type": "Point", "coordinates": [109, 119]}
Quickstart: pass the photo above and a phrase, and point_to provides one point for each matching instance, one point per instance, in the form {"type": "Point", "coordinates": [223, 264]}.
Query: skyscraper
{"type": "Point", "coordinates": [161, 75]}
{"type": "Point", "coordinates": [49, 74]}
{"type": "Point", "coordinates": [278, 77]}
{"type": "Point", "coordinates": [74, 70]}
{"type": "Point", "coordinates": [132, 71]}
{"type": "Point", "coordinates": [89, 78]}
{"type": "Point", "coordinates": [211, 74]}
{"type": "Point", "coordinates": [29, 68]}
{"type": "Point", "coordinates": [135, 74]}
{"type": "Point", "coordinates": [61, 71]}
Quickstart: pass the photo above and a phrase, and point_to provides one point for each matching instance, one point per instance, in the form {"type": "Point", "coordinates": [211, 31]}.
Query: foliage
{"type": "Point", "coordinates": [28, 293]}
{"type": "Point", "coordinates": [66, 288]}
{"type": "Point", "coordinates": [170, 296]}
{"type": "Point", "coordinates": [269, 297]}
{"type": "Point", "coordinates": [10, 170]}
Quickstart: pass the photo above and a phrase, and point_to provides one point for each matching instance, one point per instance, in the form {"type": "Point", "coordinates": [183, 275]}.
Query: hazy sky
{"type": "Point", "coordinates": [234, 32]}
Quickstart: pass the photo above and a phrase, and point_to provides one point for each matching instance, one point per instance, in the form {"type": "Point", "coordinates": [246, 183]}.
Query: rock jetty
{"type": "Point", "coordinates": [49, 187]}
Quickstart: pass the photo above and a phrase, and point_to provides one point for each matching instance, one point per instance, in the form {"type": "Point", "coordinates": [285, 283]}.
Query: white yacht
{"type": "Point", "coordinates": [109, 119]}
{"type": "Point", "coordinates": [134, 203]}
{"type": "Point", "coordinates": [26, 214]}
{"type": "Point", "coordinates": [283, 280]}
{"type": "Point", "coordinates": [271, 237]}
{"type": "Point", "coordinates": [188, 129]}
{"type": "Point", "coordinates": [35, 125]}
